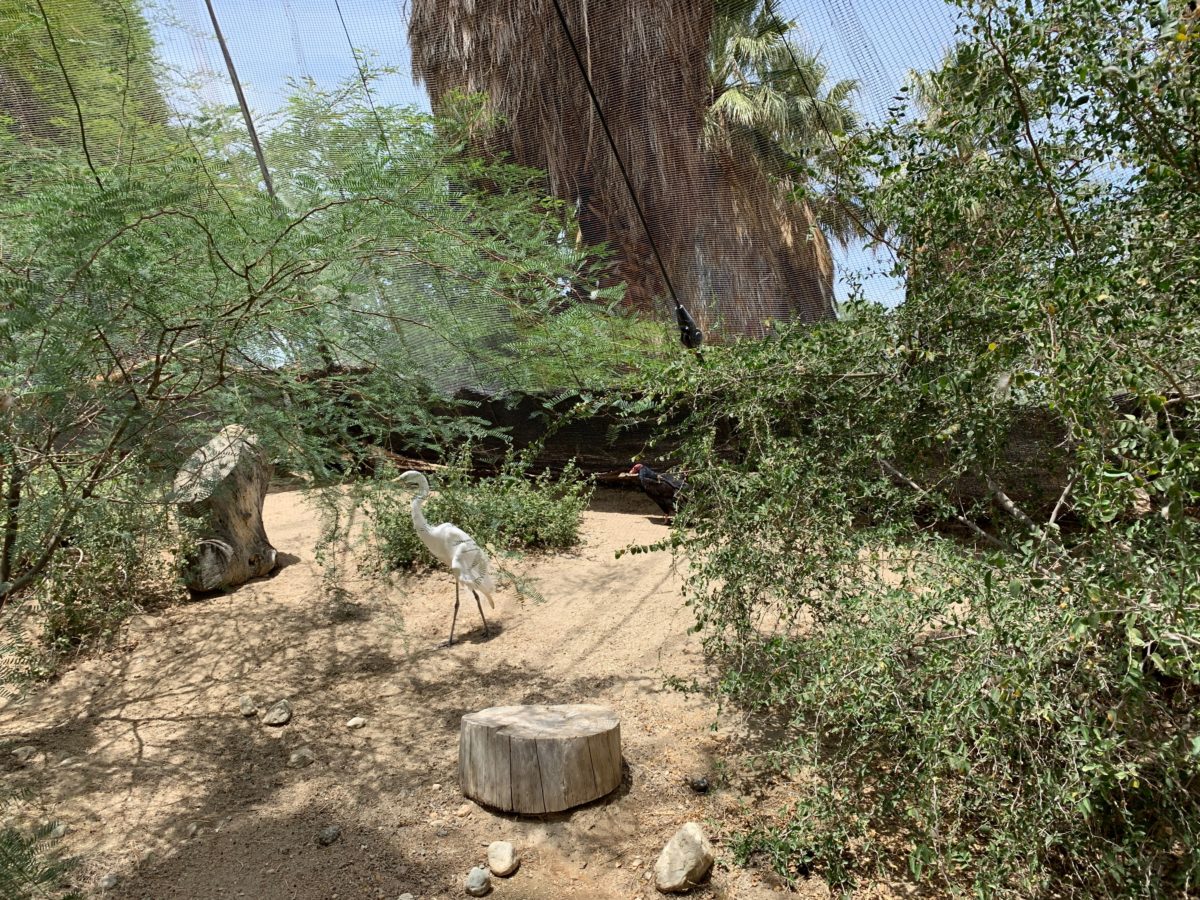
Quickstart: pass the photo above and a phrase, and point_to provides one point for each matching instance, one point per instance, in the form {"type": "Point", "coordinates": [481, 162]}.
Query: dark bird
{"type": "Point", "coordinates": [662, 488]}
{"type": "Point", "coordinates": [689, 332]}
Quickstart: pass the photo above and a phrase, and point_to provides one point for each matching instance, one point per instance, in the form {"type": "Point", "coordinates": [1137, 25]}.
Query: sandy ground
{"type": "Point", "coordinates": [162, 782]}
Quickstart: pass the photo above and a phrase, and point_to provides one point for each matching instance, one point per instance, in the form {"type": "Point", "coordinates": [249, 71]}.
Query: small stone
{"type": "Point", "coordinates": [193, 830]}
{"type": "Point", "coordinates": [442, 832]}
{"type": "Point", "coordinates": [329, 835]}
{"type": "Point", "coordinates": [700, 785]}
{"type": "Point", "coordinates": [301, 758]}
{"type": "Point", "coordinates": [108, 882]}
{"type": "Point", "coordinates": [685, 860]}
{"type": "Point", "coordinates": [279, 714]}
{"type": "Point", "coordinates": [637, 863]}
{"type": "Point", "coordinates": [247, 705]}
{"type": "Point", "coordinates": [67, 761]}
{"type": "Point", "coordinates": [356, 722]}
{"type": "Point", "coordinates": [464, 810]}
{"type": "Point", "coordinates": [407, 897]}
{"type": "Point", "coordinates": [502, 859]}
{"type": "Point", "coordinates": [437, 787]}
{"type": "Point", "coordinates": [479, 882]}
{"type": "Point", "coordinates": [27, 754]}
{"type": "Point", "coordinates": [58, 832]}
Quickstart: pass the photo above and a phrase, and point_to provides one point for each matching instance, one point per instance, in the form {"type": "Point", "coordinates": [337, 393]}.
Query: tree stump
{"type": "Point", "coordinates": [539, 759]}
{"type": "Point", "coordinates": [223, 485]}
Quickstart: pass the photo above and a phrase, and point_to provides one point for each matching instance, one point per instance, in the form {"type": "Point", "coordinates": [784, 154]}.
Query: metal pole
{"type": "Point", "coordinates": [237, 87]}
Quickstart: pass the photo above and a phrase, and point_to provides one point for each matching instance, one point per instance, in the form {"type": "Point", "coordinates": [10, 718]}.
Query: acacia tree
{"type": "Point", "coordinates": [737, 253]}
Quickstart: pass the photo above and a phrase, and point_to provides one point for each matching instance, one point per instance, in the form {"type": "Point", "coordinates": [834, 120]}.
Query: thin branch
{"type": "Point", "coordinates": [74, 97]}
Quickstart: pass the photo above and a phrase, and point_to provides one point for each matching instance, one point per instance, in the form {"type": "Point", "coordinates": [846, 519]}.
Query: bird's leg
{"type": "Point", "coordinates": [455, 616]}
{"type": "Point", "coordinates": [486, 630]}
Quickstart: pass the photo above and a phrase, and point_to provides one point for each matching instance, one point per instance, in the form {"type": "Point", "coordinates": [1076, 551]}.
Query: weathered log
{"type": "Point", "coordinates": [223, 485]}
{"type": "Point", "coordinates": [539, 759]}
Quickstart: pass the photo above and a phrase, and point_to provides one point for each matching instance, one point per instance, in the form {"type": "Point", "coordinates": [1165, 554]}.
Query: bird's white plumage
{"type": "Point", "coordinates": [450, 545]}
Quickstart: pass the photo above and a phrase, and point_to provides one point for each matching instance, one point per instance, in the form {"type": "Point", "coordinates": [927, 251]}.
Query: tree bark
{"type": "Point", "coordinates": [539, 759]}
{"type": "Point", "coordinates": [223, 485]}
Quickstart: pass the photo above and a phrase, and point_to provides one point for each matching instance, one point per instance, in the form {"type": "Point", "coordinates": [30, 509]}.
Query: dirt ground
{"type": "Point", "coordinates": [162, 782]}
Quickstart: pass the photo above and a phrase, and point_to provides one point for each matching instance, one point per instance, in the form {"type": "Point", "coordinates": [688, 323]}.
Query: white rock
{"type": "Point", "coordinates": [108, 882]}
{"type": "Point", "coordinates": [502, 858]}
{"type": "Point", "coordinates": [247, 705]}
{"type": "Point", "coordinates": [301, 758]}
{"type": "Point", "coordinates": [464, 810]}
{"type": "Point", "coordinates": [279, 714]}
{"type": "Point", "coordinates": [684, 862]}
{"type": "Point", "coordinates": [407, 897]}
{"type": "Point", "coordinates": [356, 722]}
{"type": "Point", "coordinates": [27, 754]}
{"type": "Point", "coordinates": [479, 882]}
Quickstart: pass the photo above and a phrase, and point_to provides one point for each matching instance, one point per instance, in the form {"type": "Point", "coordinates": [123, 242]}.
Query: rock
{"type": "Point", "coordinates": [193, 830]}
{"type": "Point", "coordinates": [223, 485]}
{"type": "Point", "coordinates": [279, 714]}
{"type": "Point", "coordinates": [27, 754]}
{"type": "Point", "coordinates": [685, 860]}
{"type": "Point", "coordinates": [356, 722]}
{"type": "Point", "coordinates": [301, 758]}
{"type": "Point", "coordinates": [479, 882]}
{"type": "Point", "coordinates": [329, 835]}
{"type": "Point", "coordinates": [58, 832]}
{"type": "Point", "coordinates": [699, 785]}
{"type": "Point", "coordinates": [407, 897]}
{"type": "Point", "coordinates": [247, 705]}
{"type": "Point", "coordinates": [108, 882]}
{"type": "Point", "coordinates": [464, 810]}
{"type": "Point", "coordinates": [502, 858]}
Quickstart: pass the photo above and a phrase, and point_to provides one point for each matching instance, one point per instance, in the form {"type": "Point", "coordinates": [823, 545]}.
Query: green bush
{"type": "Point", "coordinates": [509, 511]}
{"type": "Point", "coordinates": [30, 864]}
{"type": "Point", "coordinates": [950, 552]}
{"type": "Point", "coordinates": [121, 554]}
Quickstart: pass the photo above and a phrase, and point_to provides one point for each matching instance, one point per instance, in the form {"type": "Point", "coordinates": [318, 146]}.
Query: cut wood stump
{"type": "Point", "coordinates": [539, 759]}
{"type": "Point", "coordinates": [223, 485]}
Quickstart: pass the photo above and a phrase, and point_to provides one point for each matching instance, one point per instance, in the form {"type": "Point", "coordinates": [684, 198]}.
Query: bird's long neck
{"type": "Point", "coordinates": [418, 516]}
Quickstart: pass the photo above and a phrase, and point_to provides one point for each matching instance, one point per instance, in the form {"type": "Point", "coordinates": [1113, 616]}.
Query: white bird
{"type": "Point", "coordinates": [455, 549]}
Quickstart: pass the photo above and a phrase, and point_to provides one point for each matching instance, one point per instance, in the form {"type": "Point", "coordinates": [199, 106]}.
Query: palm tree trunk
{"type": "Point", "coordinates": [737, 254]}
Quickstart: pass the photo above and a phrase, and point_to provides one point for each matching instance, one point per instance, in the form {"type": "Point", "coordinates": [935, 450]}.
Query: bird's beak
{"type": "Point", "coordinates": [628, 475]}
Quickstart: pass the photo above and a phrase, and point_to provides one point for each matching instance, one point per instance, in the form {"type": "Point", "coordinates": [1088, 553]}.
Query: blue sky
{"type": "Point", "coordinates": [273, 41]}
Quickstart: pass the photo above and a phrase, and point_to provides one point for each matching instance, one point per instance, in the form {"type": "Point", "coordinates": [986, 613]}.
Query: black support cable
{"type": "Point", "coordinates": [690, 334]}
{"type": "Point", "coordinates": [362, 76]}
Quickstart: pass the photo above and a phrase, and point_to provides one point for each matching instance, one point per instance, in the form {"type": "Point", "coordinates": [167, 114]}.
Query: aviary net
{"type": "Point", "coordinates": [529, 190]}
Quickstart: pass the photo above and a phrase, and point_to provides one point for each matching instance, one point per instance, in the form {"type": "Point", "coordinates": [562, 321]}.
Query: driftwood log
{"type": "Point", "coordinates": [223, 485]}
{"type": "Point", "coordinates": [539, 759]}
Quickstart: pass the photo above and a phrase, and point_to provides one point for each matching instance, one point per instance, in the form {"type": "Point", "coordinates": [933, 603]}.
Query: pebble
{"type": "Point", "coordinates": [502, 859]}
{"type": "Point", "coordinates": [479, 882]}
{"type": "Point", "coordinates": [59, 831]}
{"type": "Point", "coordinates": [437, 787]}
{"type": "Point", "coordinates": [356, 722]}
{"type": "Point", "coordinates": [26, 754]}
{"type": "Point", "coordinates": [407, 897]}
{"type": "Point", "coordinates": [108, 882]}
{"type": "Point", "coordinates": [699, 785]}
{"type": "Point", "coordinates": [193, 830]}
{"type": "Point", "coordinates": [301, 758]}
{"type": "Point", "coordinates": [247, 705]}
{"type": "Point", "coordinates": [464, 810]}
{"type": "Point", "coordinates": [279, 714]}
{"type": "Point", "coordinates": [329, 835]}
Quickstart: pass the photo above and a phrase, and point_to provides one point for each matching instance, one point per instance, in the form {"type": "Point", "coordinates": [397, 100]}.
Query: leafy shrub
{"type": "Point", "coordinates": [953, 550]}
{"type": "Point", "coordinates": [120, 554]}
{"type": "Point", "coordinates": [30, 866]}
{"type": "Point", "coordinates": [509, 511]}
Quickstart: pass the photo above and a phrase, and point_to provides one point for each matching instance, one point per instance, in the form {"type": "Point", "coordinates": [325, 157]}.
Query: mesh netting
{"type": "Point", "coordinates": [683, 204]}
